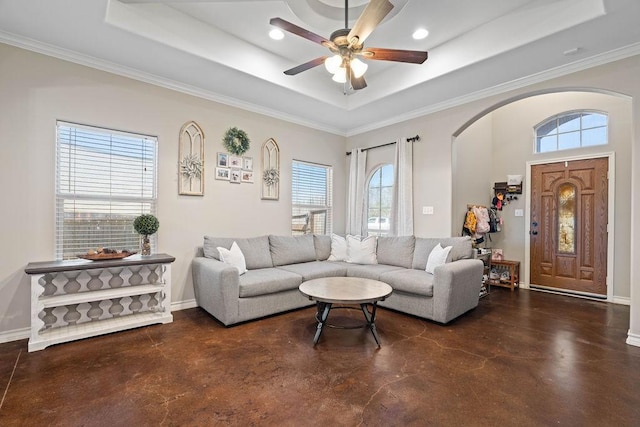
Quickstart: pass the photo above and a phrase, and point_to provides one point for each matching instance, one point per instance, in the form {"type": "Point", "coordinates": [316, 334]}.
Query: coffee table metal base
{"type": "Point", "coordinates": [323, 313]}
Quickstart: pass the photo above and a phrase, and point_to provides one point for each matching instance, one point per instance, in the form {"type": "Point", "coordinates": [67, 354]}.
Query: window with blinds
{"type": "Point", "coordinates": [311, 198]}
{"type": "Point", "coordinates": [104, 180]}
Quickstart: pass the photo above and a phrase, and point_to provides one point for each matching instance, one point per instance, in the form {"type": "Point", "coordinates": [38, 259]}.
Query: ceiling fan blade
{"type": "Point", "coordinates": [380, 54]}
{"type": "Point", "coordinates": [371, 16]}
{"type": "Point", "coordinates": [306, 66]}
{"type": "Point", "coordinates": [299, 31]}
{"type": "Point", "coordinates": [357, 83]}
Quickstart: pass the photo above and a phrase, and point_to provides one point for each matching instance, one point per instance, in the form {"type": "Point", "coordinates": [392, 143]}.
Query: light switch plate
{"type": "Point", "coordinates": [427, 210]}
{"type": "Point", "coordinates": [519, 212]}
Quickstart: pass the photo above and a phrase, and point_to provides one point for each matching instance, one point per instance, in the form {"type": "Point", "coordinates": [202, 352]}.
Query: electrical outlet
{"type": "Point", "coordinates": [427, 210]}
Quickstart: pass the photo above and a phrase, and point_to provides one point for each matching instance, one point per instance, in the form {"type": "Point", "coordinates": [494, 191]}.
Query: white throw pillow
{"type": "Point", "coordinates": [437, 257]}
{"type": "Point", "coordinates": [361, 251]}
{"type": "Point", "coordinates": [234, 257]}
{"type": "Point", "coordinates": [338, 248]}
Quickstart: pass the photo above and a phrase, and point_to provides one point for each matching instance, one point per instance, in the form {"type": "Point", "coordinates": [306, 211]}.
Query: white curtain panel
{"type": "Point", "coordinates": [355, 196]}
{"type": "Point", "coordinates": [402, 208]}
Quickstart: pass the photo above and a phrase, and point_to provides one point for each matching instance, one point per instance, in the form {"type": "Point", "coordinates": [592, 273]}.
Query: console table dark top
{"type": "Point", "coordinates": [84, 264]}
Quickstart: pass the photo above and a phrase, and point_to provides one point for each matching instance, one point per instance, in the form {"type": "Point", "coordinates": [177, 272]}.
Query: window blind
{"type": "Point", "coordinates": [104, 180]}
{"type": "Point", "coordinates": [311, 198]}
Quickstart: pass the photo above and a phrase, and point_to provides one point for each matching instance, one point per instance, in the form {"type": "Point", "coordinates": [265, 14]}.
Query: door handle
{"type": "Point", "coordinates": [534, 232]}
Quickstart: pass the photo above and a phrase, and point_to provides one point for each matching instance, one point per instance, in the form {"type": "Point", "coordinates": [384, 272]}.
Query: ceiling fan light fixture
{"type": "Point", "coordinates": [332, 64]}
{"type": "Point", "coordinates": [340, 75]}
{"type": "Point", "coordinates": [358, 67]}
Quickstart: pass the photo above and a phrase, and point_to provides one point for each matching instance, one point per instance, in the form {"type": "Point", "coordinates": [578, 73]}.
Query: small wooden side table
{"type": "Point", "coordinates": [512, 267]}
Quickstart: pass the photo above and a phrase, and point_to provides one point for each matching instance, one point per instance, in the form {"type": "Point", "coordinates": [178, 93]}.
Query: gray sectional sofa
{"type": "Point", "coordinates": [277, 265]}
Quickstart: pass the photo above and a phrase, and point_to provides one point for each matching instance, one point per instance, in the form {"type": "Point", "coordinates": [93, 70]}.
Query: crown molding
{"type": "Point", "coordinates": [584, 64]}
{"type": "Point", "coordinates": [145, 77]}
{"type": "Point", "coordinates": [99, 64]}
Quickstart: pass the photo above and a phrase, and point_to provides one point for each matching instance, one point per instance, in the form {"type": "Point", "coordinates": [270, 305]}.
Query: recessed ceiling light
{"type": "Point", "coordinates": [420, 34]}
{"type": "Point", "coordinates": [276, 34]}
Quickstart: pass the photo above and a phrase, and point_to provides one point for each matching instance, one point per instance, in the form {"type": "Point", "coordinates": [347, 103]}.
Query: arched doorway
{"type": "Point", "coordinates": [499, 141]}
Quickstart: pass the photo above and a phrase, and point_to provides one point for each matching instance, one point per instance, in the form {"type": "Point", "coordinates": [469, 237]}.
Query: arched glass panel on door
{"type": "Point", "coordinates": [567, 218]}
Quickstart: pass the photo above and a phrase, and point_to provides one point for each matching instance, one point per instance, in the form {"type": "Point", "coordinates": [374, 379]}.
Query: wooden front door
{"type": "Point", "coordinates": [569, 225]}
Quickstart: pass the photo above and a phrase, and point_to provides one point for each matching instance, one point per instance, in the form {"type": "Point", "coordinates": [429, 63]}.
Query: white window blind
{"type": "Point", "coordinates": [311, 198]}
{"type": "Point", "coordinates": [104, 180]}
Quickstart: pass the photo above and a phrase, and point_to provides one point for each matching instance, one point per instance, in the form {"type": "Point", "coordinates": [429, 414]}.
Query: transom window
{"type": "Point", "coordinates": [379, 200]}
{"type": "Point", "coordinates": [104, 180]}
{"type": "Point", "coordinates": [572, 130]}
{"type": "Point", "coordinates": [311, 198]}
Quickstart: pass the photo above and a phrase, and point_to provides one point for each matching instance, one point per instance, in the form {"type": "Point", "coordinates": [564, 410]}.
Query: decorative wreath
{"type": "Point", "coordinates": [271, 176]}
{"type": "Point", "coordinates": [191, 166]}
{"type": "Point", "coordinates": [236, 141]}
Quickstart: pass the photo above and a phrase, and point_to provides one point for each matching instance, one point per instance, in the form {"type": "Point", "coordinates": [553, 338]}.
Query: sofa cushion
{"type": "Point", "coordinates": [437, 257]}
{"type": "Point", "coordinates": [370, 271]}
{"type": "Point", "coordinates": [265, 281]}
{"type": "Point", "coordinates": [338, 248]}
{"type": "Point", "coordinates": [361, 250]}
{"type": "Point", "coordinates": [233, 257]}
{"type": "Point", "coordinates": [323, 246]}
{"type": "Point", "coordinates": [461, 249]}
{"type": "Point", "coordinates": [255, 250]}
{"type": "Point", "coordinates": [410, 281]}
{"type": "Point", "coordinates": [317, 269]}
{"type": "Point", "coordinates": [292, 249]}
{"type": "Point", "coordinates": [396, 251]}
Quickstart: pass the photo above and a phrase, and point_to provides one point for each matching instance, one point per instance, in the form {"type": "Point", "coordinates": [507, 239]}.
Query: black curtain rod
{"type": "Point", "coordinates": [412, 139]}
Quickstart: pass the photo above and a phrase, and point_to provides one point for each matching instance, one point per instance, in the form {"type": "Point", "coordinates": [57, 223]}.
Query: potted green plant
{"type": "Point", "coordinates": [146, 225]}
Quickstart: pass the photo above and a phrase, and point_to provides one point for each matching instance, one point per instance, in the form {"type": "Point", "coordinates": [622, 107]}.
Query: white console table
{"type": "Point", "coordinates": [77, 299]}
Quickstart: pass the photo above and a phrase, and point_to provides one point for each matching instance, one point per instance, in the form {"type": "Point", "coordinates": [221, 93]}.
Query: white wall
{"type": "Point", "coordinates": [36, 90]}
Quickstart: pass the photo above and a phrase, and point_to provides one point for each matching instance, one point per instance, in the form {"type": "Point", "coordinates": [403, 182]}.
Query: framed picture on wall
{"type": "Point", "coordinates": [223, 174]}
{"type": "Point", "coordinates": [235, 162]}
{"type": "Point", "coordinates": [247, 163]}
{"type": "Point", "coordinates": [223, 160]}
{"type": "Point", "coordinates": [236, 176]}
{"type": "Point", "coordinates": [247, 176]}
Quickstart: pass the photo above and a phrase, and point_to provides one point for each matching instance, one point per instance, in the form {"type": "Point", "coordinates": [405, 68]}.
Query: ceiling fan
{"type": "Point", "coordinates": [348, 44]}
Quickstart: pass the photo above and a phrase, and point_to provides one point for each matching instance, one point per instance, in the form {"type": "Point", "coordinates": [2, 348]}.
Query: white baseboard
{"type": "Point", "coordinates": [621, 300]}
{"type": "Point", "coordinates": [15, 335]}
{"type": "Point", "coordinates": [24, 333]}
{"type": "Point", "coordinates": [183, 305]}
{"type": "Point", "coordinates": [633, 339]}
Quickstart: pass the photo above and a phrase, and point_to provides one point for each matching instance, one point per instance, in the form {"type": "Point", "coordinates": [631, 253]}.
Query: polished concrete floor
{"type": "Point", "coordinates": [524, 358]}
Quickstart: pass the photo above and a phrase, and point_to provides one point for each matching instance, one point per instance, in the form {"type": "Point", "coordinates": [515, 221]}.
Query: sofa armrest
{"type": "Point", "coordinates": [217, 288]}
{"type": "Point", "coordinates": [456, 288]}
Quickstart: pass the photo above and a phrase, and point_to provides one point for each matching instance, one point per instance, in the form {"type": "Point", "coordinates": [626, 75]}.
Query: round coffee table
{"type": "Point", "coordinates": [345, 290]}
